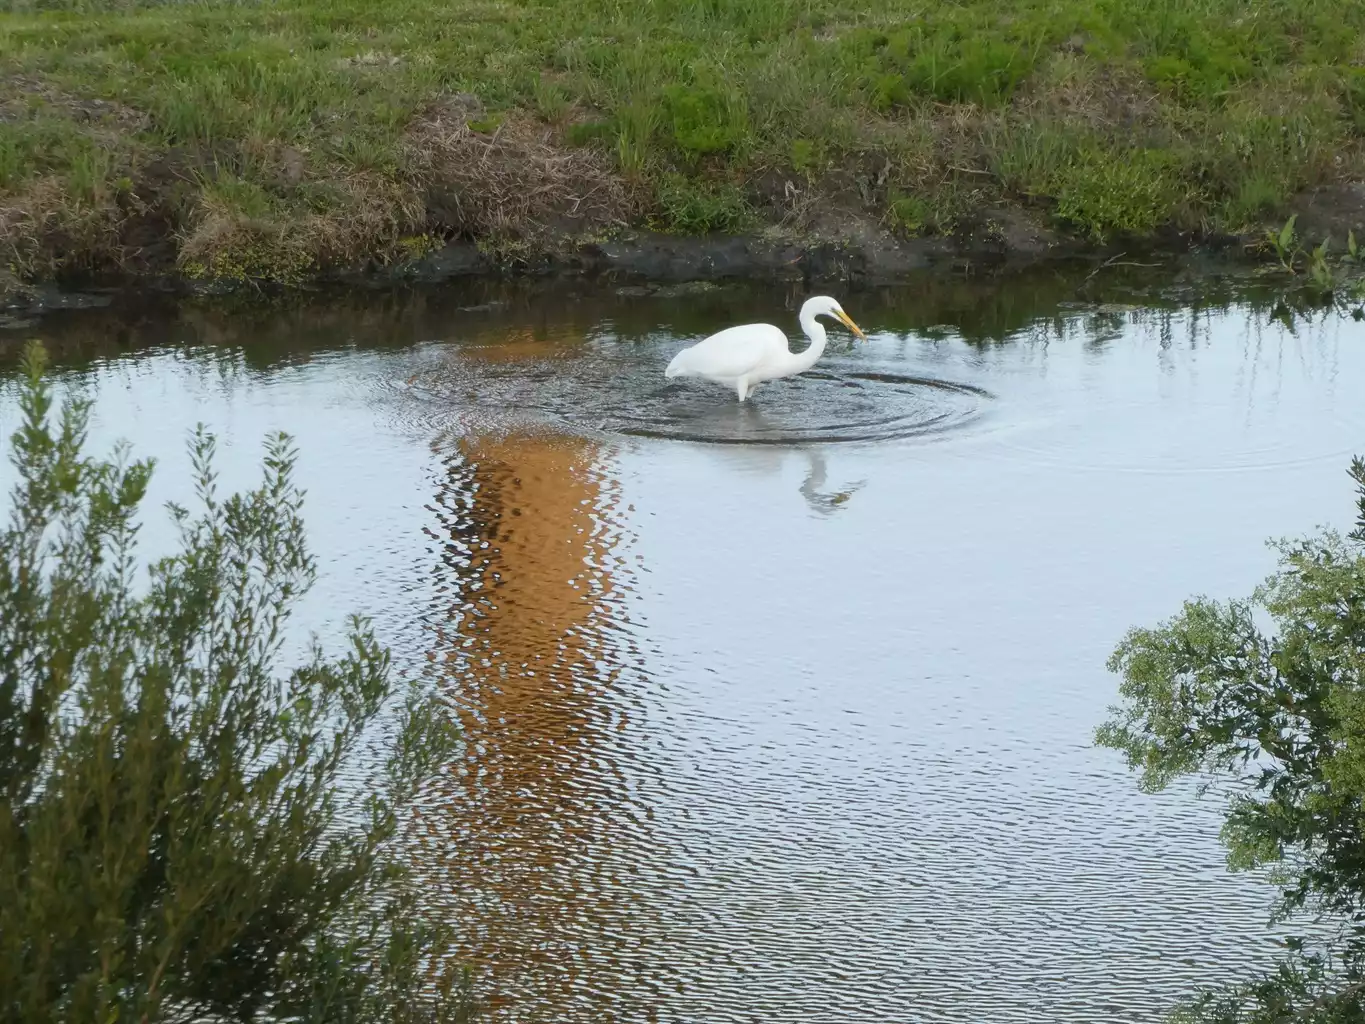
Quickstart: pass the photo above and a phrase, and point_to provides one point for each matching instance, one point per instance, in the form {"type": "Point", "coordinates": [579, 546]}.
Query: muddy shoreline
{"type": "Point", "coordinates": [647, 259]}
{"type": "Point", "coordinates": [1007, 241]}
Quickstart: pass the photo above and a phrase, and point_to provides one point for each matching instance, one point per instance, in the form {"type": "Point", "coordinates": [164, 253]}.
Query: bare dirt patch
{"type": "Point", "coordinates": [23, 95]}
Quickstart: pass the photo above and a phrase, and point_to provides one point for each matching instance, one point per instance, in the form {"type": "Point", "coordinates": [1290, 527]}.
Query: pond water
{"type": "Point", "coordinates": [781, 712]}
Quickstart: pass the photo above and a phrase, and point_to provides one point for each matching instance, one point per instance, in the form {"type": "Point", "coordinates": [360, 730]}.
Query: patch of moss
{"type": "Point", "coordinates": [414, 247]}
{"type": "Point", "coordinates": [252, 258]}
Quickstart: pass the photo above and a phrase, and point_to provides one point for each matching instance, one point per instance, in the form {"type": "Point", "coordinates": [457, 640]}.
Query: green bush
{"type": "Point", "coordinates": [985, 72]}
{"type": "Point", "coordinates": [1281, 716]}
{"type": "Point", "coordinates": [1104, 193]}
{"type": "Point", "coordinates": [170, 844]}
{"type": "Point", "coordinates": [704, 120]}
{"type": "Point", "coordinates": [962, 64]}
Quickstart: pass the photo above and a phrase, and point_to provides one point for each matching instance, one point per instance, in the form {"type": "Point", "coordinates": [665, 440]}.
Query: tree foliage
{"type": "Point", "coordinates": [170, 842]}
{"type": "Point", "coordinates": [1281, 716]}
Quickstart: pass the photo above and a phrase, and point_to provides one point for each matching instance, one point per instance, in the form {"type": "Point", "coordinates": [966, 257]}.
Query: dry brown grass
{"type": "Point", "coordinates": [517, 180]}
{"type": "Point", "coordinates": [1074, 91]}
{"type": "Point", "coordinates": [44, 230]}
{"type": "Point", "coordinates": [374, 217]}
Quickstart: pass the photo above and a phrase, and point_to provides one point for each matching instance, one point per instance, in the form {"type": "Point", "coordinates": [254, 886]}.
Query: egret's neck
{"type": "Point", "coordinates": [815, 331]}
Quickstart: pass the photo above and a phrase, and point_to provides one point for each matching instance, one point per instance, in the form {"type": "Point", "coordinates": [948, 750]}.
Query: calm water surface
{"type": "Point", "coordinates": [782, 712]}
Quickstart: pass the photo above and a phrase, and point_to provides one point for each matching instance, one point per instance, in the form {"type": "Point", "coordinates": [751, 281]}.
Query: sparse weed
{"type": "Point", "coordinates": [1028, 158]}
{"type": "Point", "coordinates": [1338, 284]}
{"type": "Point", "coordinates": [1284, 243]}
{"type": "Point", "coordinates": [635, 128]}
{"type": "Point", "coordinates": [1320, 270]}
{"type": "Point", "coordinates": [88, 179]}
{"type": "Point", "coordinates": [551, 101]}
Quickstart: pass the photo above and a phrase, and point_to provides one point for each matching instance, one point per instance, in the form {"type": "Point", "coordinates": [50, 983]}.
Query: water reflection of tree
{"type": "Point", "coordinates": [980, 309]}
{"type": "Point", "coordinates": [531, 639]}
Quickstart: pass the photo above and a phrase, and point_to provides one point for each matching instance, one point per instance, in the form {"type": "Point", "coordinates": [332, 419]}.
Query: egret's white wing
{"type": "Point", "coordinates": [732, 352]}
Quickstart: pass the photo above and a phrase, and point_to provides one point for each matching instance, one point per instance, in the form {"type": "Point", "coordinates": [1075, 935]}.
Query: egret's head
{"type": "Point", "coordinates": [823, 305]}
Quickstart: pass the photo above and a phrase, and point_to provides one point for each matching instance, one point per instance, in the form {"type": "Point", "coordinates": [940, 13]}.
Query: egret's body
{"type": "Point", "coordinates": [744, 357]}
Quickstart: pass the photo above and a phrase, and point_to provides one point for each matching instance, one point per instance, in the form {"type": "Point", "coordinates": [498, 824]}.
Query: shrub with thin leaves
{"type": "Point", "coordinates": [170, 842]}
{"type": "Point", "coordinates": [1280, 715]}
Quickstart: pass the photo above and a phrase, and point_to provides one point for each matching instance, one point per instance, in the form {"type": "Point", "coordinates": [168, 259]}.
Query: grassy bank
{"type": "Point", "coordinates": [271, 139]}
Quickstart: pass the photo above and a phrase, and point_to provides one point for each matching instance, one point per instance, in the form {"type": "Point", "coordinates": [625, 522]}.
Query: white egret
{"type": "Point", "coordinates": [745, 356]}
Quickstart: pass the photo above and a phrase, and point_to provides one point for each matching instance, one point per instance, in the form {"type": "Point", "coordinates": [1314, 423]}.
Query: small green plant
{"type": "Point", "coordinates": [1029, 157]}
{"type": "Point", "coordinates": [367, 151]}
{"type": "Point", "coordinates": [805, 156]}
{"type": "Point", "coordinates": [1334, 285]}
{"type": "Point", "coordinates": [1284, 243]}
{"type": "Point", "coordinates": [981, 71]}
{"type": "Point", "coordinates": [1254, 197]}
{"type": "Point", "coordinates": [696, 208]}
{"type": "Point", "coordinates": [979, 66]}
{"type": "Point", "coordinates": [414, 247]}
{"type": "Point", "coordinates": [909, 214]}
{"type": "Point", "coordinates": [1320, 270]}
{"type": "Point", "coordinates": [551, 101]}
{"type": "Point", "coordinates": [889, 90]}
{"type": "Point", "coordinates": [486, 125]}
{"type": "Point", "coordinates": [171, 825]}
{"type": "Point", "coordinates": [1353, 97]}
{"type": "Point", "coordinates": [252, 256]}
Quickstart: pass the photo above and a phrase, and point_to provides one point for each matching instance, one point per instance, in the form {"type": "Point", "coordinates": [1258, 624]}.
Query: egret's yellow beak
{"type": "Point", "coordinates": [850, 324]}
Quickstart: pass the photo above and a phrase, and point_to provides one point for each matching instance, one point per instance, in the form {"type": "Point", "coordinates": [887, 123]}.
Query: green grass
{"type": "Point", "coordinates": [311, 116]}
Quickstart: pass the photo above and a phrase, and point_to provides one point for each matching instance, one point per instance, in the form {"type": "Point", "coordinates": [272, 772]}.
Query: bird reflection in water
{"type": "Point", "coordinates": [822, 502]}
{"type": "Point", "coordinates": [537, 830]}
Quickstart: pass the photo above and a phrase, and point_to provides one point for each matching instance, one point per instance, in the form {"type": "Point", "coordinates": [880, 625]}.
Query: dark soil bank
{"type": "Point", "coordinates": [1006, 241]}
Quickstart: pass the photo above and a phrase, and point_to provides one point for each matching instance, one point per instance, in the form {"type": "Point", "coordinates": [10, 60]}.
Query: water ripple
{"type": "Point", "coordinates": [610, 388]}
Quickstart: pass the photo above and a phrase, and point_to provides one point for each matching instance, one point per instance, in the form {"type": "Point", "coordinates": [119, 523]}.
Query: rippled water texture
{"type": "Point", "coordinates": [776, 730]}
{"type": "Point", "coordinates": [612, 388]}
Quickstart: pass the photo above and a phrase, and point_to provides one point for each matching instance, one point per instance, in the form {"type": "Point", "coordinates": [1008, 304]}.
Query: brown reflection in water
{"type": "Point", "coordinates": [529, 639]}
